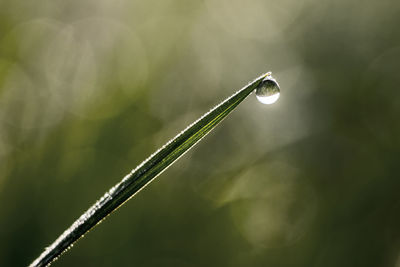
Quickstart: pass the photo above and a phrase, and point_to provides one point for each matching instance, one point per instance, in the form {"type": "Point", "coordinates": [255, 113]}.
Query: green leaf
{"type": "Point", "coordinates": [143, 174]}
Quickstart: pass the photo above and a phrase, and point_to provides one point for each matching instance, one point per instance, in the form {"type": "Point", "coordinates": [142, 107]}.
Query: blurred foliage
{"type": "Point", "coordinates": [88, 89]}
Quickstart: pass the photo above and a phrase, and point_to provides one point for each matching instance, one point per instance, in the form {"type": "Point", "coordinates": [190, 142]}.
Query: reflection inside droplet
{"type": "Point", "coordinates": [268, 90]}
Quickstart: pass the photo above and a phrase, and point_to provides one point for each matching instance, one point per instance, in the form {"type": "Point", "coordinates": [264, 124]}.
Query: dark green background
{"type": "Point", "coordinates": [89, 89]}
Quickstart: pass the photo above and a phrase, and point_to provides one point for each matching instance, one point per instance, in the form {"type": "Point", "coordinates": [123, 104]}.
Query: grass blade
{"type": "Point", "coordinates": [144, 174]}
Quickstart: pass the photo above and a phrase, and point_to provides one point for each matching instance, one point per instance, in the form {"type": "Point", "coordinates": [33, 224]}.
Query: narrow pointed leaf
{"type": "Point", "coordinates": [143, 174]}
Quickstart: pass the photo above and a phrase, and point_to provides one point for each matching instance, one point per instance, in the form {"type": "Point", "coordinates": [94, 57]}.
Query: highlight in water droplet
{"type": "Point", "coordinates": [268, 90]}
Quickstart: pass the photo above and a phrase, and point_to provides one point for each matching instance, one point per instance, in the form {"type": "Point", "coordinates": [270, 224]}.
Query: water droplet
{"type": "Point", "coordinates": [268, 90]}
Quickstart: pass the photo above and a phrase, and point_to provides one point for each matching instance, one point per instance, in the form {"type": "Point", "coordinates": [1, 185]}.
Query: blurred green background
{"type": "Point", "coordinates": [89, 89]}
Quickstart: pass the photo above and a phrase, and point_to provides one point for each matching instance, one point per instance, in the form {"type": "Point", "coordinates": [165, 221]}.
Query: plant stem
{"type": "Point", "coordinates": [143, 174]}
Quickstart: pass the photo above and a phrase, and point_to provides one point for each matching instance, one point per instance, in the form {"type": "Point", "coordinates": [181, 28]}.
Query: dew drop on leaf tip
{"type": "Point", "coordinates": [268, 91]}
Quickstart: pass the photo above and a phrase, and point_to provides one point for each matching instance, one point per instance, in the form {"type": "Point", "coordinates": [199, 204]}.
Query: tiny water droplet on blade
{"type": "Point", "coordinates": [268, 90]}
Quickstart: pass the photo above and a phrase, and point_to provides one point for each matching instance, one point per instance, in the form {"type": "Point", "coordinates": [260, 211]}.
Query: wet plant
{"type": "Point", "coordinates": [267, 92]}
